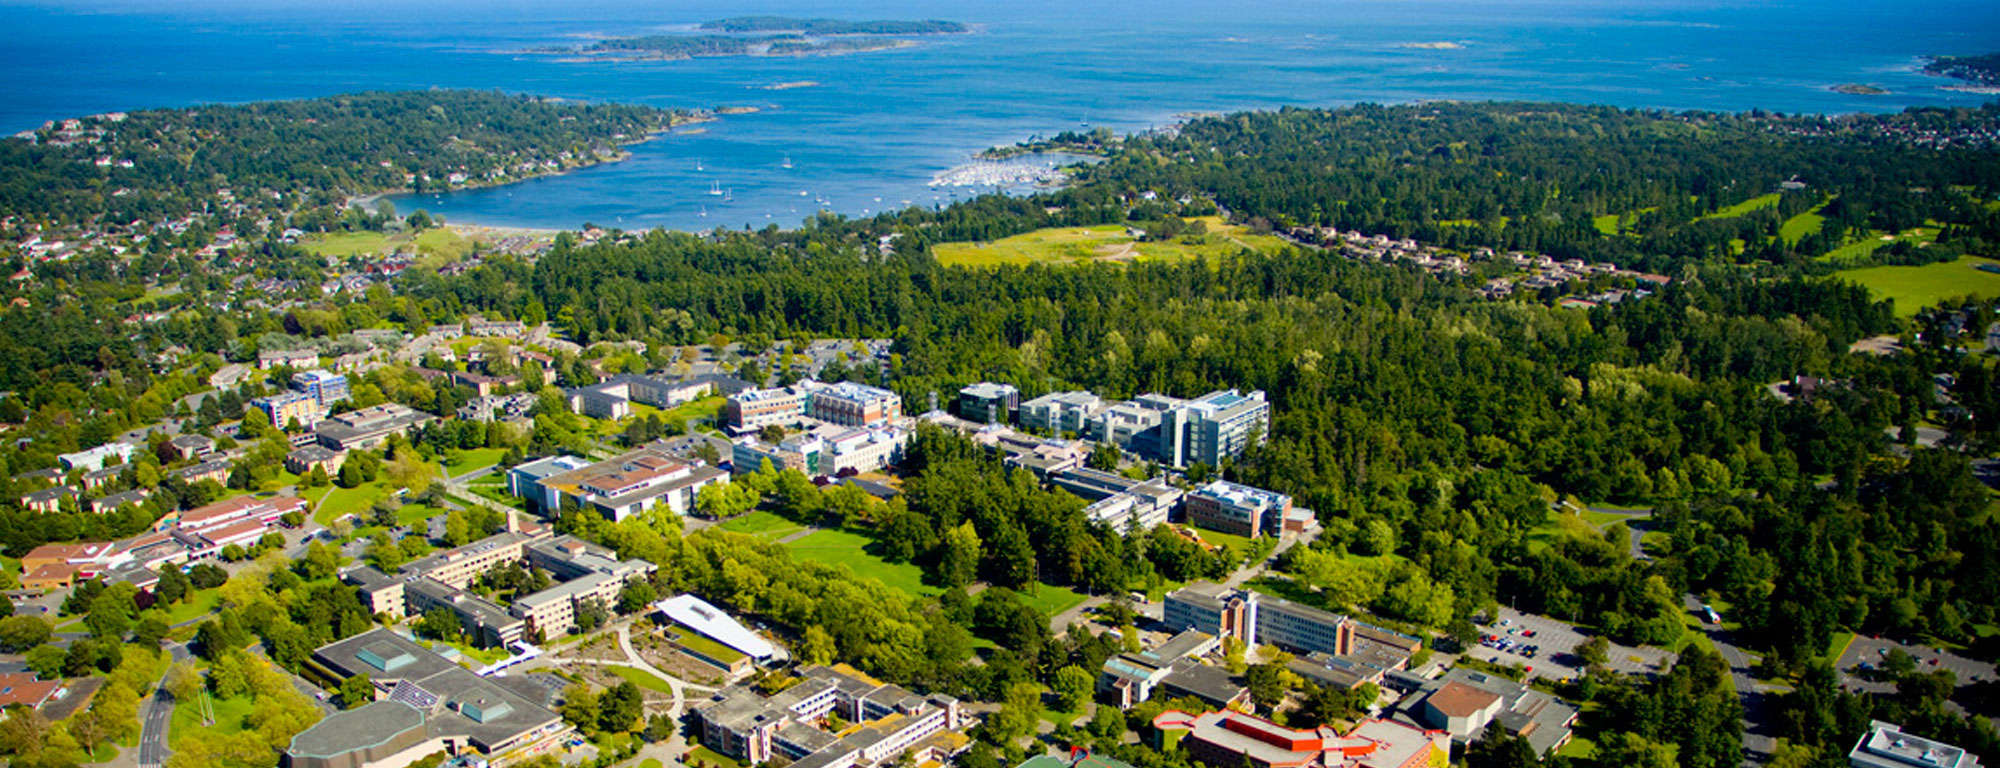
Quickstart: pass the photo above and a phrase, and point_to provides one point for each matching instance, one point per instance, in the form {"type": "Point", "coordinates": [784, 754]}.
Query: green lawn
{"type": "Point", "coordinates": [1913, 288]}
{"type": "Point", "coordinates": [650, 763]}
{"type": "Point", "coordinates": [1801, 225]}
{"type": "Point", "coordinates": [1578, 748]}
{"type": "Point", "coordinates": [477, 458]}
{"type": "Point", "coordinates": [203, 604]}
{"type": "Point", "coordinates": [479, 656]}
{"type": "Point", "coordinates": [1838, 645]}
{"type": "Point", "coordinates": [1607, 224]}
{"type": "Point", "coordinates": [703, 756]}
{"type": "Point", "coordinates": [694, 641]}
{"type": "Point", "coordinates": [761, 523]}
{"type": "Point", "coordinates": [349, 501]}
{"type": "Point", "coordinates": [1602, 519]}
{"type": "Point", "coordinates": [229, 715]}
{"type": "Point", "coordinates": [1739, 209]}
{"type": "Point", "coordinates": [416, 515]}
{"type": "Point", "coordinates": [1862, 247]}
{"type": "Point", "coordinates": [641, 678]}
{"type": "Point", "coordinates": [705, 408]}
{"type": "Point", "coordinates": [846, 548]}
{"type": "Point", "coordinates": [1105, 242]}
{"type": "Point", "coordinates": [1051, 599]}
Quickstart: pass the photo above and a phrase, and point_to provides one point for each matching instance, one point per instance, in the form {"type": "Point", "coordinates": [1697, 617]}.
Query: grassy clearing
{"type": "Point", "coordinates": [1753, 204]}
{"type": "Point", "coordinates": [1607, 224]}
{"type": "Point", "coordinates": [417, 515]}
{"type": "Point", "coordinates": [642, 678]}
{"type": "Point", "coordinates": [204, 603]}
{"type": "Point", "coordinates": [1861, 248]}
{"type": "Point", "coordinates": [1240, 547]}
{"type": "Point", "coordinates": [475, 459]}
{"type": "Point", "coordinates": [349, 501]}
{"type": "Point", "coordinates": [430, 242]}
{"type": "Point", "coordinates": [1051, 599]}
{"type": "Point", "coordinates": [1913, 288]}
{"type": "Point", "coordinates": [1106, 242]}
{"type": "Point", "coordinates": [761, 523]}
{"type": "Point", "coordinates": [1801, 225]}
{"type": "Point", "coordinates": [1839, 644]}
{"type": "Point", "coordinates": [847, 548]}
{"type": "Point", "coordinates": [1556, 526]}
{"type": "Point", "coordinates": [229, 716]}
{"type": "Point", "coordinates": [1602, 519]}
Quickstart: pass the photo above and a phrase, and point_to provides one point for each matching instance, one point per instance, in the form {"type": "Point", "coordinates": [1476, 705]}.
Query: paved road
{"type": "Point", "coordinates": [155, 722]}
{"type": "Point", "coordinates": [1758, 742]}
{"type": "Point", "coordinates": [1638, 522]}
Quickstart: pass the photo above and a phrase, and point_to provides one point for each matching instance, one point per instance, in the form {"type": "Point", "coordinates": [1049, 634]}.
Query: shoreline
{"type": "Point", "coordinates": [367, 201]}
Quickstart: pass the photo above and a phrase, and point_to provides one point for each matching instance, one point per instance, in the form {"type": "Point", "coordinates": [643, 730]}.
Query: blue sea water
{"type": "Point", "coordinates": [881, 125]}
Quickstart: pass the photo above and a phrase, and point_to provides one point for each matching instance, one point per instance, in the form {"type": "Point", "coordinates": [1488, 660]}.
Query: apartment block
{"type": "Point", "coordinates": [288, 408]}
{"type": "Point", "coordinates": [323, 387]}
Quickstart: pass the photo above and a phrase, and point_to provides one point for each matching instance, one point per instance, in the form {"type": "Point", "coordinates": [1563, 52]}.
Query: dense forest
{"type": "Point", "coordinates": [155, 165]}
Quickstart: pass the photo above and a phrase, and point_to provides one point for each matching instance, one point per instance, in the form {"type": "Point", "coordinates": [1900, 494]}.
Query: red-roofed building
{"type": "Point", "coordinates": [228, 511]}
{"type": "Point", "coordinates": [22, 689]}
{"type": "Point", "coordinates": [1230, 739]}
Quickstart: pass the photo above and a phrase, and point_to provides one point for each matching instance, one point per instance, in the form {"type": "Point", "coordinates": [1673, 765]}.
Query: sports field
{"type": "Point", "coordinates": [1107, 243]}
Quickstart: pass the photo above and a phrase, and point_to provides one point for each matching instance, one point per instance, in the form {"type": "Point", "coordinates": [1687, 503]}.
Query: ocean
{"type": "Point", "coordinates": [879, 127]}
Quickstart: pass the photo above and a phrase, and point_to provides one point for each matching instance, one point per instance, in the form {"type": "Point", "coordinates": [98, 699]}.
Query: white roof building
{"type": "Point", "coordinates": [715, 624]}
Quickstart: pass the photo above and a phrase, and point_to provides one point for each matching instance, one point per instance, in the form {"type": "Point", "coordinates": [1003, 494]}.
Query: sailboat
{"type": "Point", "coordinates": [787, 165]}
{"type": "Point", "coordinates": [704, 211]}
{"type": "Point", "coordinates": [697, 164]}
{"type": "Point", "coordinates": [715, 189]}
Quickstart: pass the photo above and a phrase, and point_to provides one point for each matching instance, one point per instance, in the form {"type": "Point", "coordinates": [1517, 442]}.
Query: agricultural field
{"type": "Point", "coordinates": [1913, 288]}
{"type": "Point", "coordinates": [1105, 243]}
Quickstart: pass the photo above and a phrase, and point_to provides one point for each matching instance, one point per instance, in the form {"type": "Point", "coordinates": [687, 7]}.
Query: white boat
{"type": "Point", "coordinates": [787, 164]}
{"type": "Point", "coordinates": [715, 189]}
{"type": "Point", "coordinates": [697, 164]}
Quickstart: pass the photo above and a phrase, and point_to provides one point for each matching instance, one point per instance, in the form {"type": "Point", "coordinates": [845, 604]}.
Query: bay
{"type": "Point", "coordinates": [878, 127]}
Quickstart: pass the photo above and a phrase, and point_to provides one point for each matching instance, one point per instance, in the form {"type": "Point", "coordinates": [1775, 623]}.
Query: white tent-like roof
{"type": "Point", "coordinates": [717, 625]}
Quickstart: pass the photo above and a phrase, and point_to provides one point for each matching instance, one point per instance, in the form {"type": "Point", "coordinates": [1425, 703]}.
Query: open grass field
{"type": "Point", "coordinates": [349, 501]}
{"type": "Point", "coordinates": [1107, 242]}
{"type": "Point", "coordinates": [761, 523]}
{"type": "Point", "coordinates": [1913, 288]}
{"type": "Point", "coordinates": [430, 242]}
{"type": "Point", "coordinates": [1756, 203]}
{"type": "Point", "coordinates": [1607, 224]}
{"type": "Point", "coordinates": [477, 458]}
{"type": "Point", "coordinates": [708, 757]}
{"type": "Point", "coordinates": [229, 715]}
{"type": "Point", "coordinates": [1802, 224]}
{"type": "Point", "coordinates": [417, 515]}
{"type": "Point", "coordinates": [1051, 599]}
{"type": "Point", "coordinates": [847, 548]}
{"type": "Point", "coordinates": [1558, 525]}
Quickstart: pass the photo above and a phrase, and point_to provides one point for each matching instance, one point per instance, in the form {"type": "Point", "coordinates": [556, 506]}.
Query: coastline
{"type": "Point", "coordinates": [368, 200]}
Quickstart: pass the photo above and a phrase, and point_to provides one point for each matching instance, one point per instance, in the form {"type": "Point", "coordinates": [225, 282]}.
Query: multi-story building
{"type": "Point", "coordinates": [751, 410]}
{"type": "Point", "coordinates": [1060, 411]}
{"type": "Point", "coordinates": [95, 458]}
{"type": "Point", "coordinates": [1230, 739]}
{"type": "Point", "coordinates": [424, 705]}
{"type": "Point", "coordinates": [322, 386]}
{"type": "Point", "coordinates": [1119, 501]}
{"type": "Point", "coordinates": [1241, 510]}
{"type": "Point", "coordinates": [852, 405]}
{"type": "Point", "coordinates": [1129, 678]}
{"type": "Point", "coordinates": [618, 488]}
{"type": "Point", "coordinates": [367, 428]}
{"type": "Point", "coordinates": [825, 451]}
{"type": "Point", "coordinates": [295, 358]}
{"type": "Point", "coordinates": [1464, 703]}
{"type": "Point", "coordinates": [1258, 619]}
{"type": "Point", "coordinates": [1222, 424]}
{"type": "Point", "coordinates": [891, 721]}
{"type": "Point", "coordinates": [1885, 745]}
{"type": "Point", "coordinates": [288, 408]}
{"type": "Point", "coordinates": [988, 403]}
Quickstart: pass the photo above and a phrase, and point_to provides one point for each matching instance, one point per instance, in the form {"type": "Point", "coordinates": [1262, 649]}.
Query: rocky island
{"type": "Point", "coordinates": [761, 36]}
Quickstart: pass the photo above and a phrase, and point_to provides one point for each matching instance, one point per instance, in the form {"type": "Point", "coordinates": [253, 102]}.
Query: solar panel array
{"type": "Point", "coordinates": [413, 695]}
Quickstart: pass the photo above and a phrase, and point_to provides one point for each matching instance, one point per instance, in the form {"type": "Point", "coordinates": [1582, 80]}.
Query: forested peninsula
{"type": "Point", "coordinates": [286, 157]}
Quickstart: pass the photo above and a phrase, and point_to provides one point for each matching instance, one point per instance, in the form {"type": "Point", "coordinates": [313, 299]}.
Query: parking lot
{"type": "Point", "coordinates": [1872, 651]}
{"type": "Point", "coordinates": [1555, 643]}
